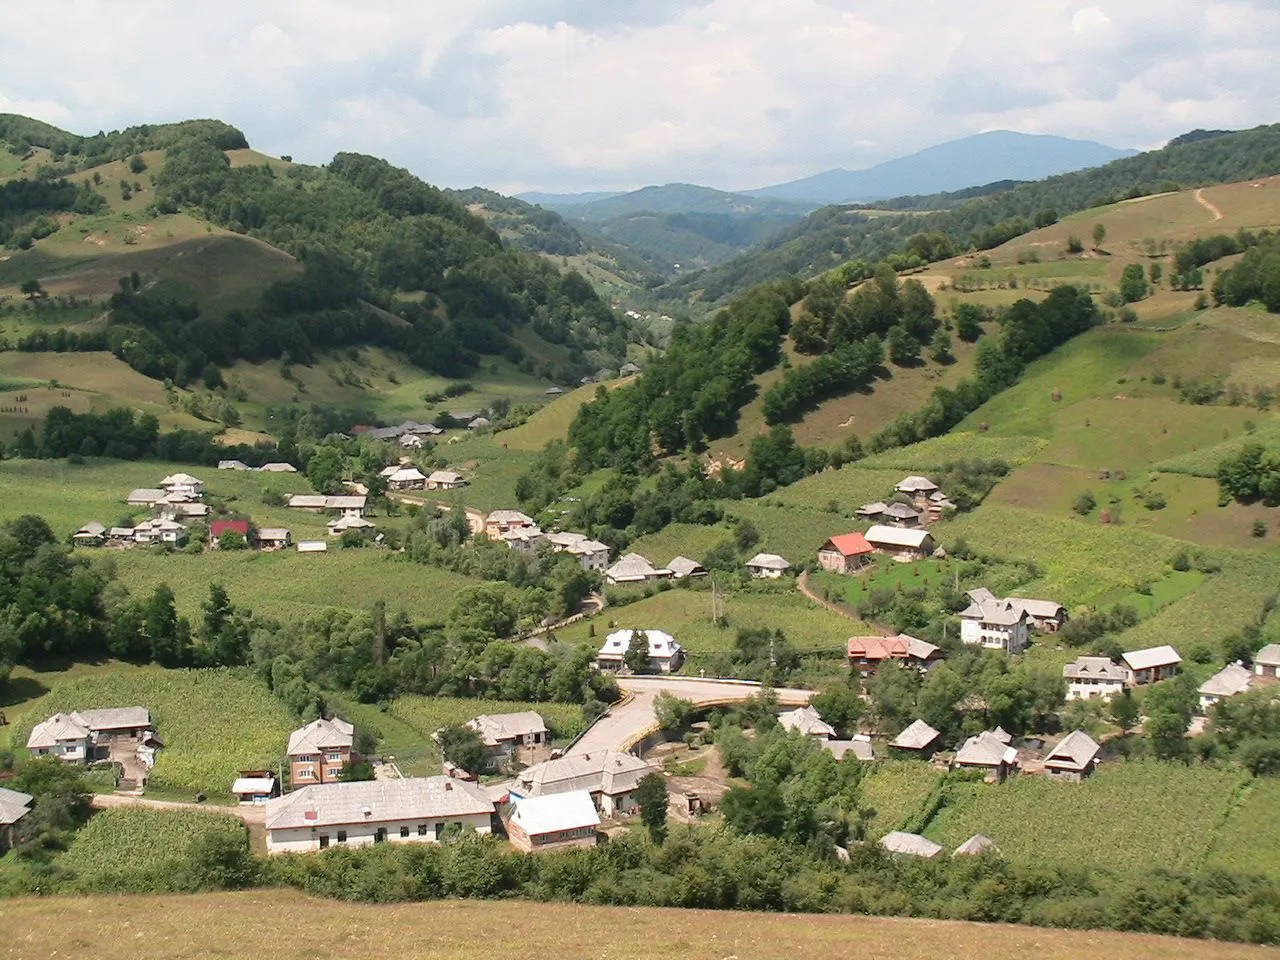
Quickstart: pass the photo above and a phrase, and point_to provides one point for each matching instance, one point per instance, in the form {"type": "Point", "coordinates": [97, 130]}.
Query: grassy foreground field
{"type": "Point", "coordinates": [234, 925]}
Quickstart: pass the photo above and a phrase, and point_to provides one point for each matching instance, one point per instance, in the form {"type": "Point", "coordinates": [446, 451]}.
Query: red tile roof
{"type": "Point", "coordinates": [219, 527]}
{"type": "Point", "coordinates": [851, 544]}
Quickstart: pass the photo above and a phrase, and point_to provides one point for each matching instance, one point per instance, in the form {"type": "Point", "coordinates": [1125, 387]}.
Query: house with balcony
{"type": "Point", "coordinates": [321, 751]}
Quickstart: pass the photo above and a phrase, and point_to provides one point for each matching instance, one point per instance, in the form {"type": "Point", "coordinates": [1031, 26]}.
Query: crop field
{"type": "Point", "coordinates": [1249, 838]}
{"type": "Point", "coordinates": [686, 614]}
{"type": "Point", "coordinates": [1081, 562]}
{"type": "Point", "coordinates": [1204, 461]}
{"type": "Point", "coordinates": [289, 585]}
{"type": "Point", "coordinates": [681, 540]}
{"type": "Point", "coordinates": [1035, 820]}
{"type": "Point", "coordinates": [848, 488]}
{"type": "Point", "coordinates": [426, 715]}
{"type": "Point", "coordinates": [550, 422]}
{"type": "Point", "coordinates": [940, 451]}
{"type": "Point", "coordinates": [214, 722]}
{"type": "Point", "coordinates": [896, 790]}
{"type": "Point", "coordinates": [396, 738]}
{"type": "Point", "coordinates": [232, 925]}
{"type": "Point", "coordinates": [67, 495]}
{"type": "Point", "coordinates": [1229, 601]}
{"type": "Point", "coordinates": [794, 532]}
{"type": "Point", "coordinates": [139, 849]}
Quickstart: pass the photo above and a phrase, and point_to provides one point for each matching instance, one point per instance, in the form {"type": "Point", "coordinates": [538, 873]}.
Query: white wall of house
{"type": "Point", "coordinates": [1010, 639]}
{"type": "Point", "coordinates": [763, 573]}
{"type": "Point", "coordinates": [307, 839]}
{"type": "Point", "coordinates": [615, 806]}
{"type": "Point", "coordinates": [72, 751]}
{"type": "Point", "coordinates": [1088, 689]}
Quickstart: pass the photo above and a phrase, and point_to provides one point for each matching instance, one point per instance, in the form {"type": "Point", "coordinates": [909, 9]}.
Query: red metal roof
{"type": "Point", "coordinates": [851, 544]}
{"type": "Point", "coordinates": [219, 527]}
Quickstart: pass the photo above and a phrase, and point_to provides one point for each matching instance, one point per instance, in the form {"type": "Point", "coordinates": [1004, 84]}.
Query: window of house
{"type": "Point", "coordinates": [342, 836]}
{"type": "Point", "coordinates": [422, 829]}
{"type": "Point", "coordinates": [335, 771]}
{"type": "Point", "coordinates": [306, 773]}
{"type": "Point", "coordinates": [335, 756]}
{"type": "Point", "coordinates": [404, 831]}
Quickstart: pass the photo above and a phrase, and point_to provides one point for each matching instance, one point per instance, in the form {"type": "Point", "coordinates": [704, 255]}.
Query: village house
{"type": "Point", "coordinates": [554, 391]}
{"type": "Point", "coordinates": [144, 497]}
{"type": "Point", "coordinates": [120, 536]}
{"type": "Point", "coordinates": [846, 553]}
{"type": "Point", "coordinates": [1151, 665]}
{"type": "Point", "coordinates": [173, 506]}
{"type": "Point", "coordinates": [320, 751]}
{"type": "Point", "coordinates": [220, 528]}
{"type": "Point", "coordinates": [807, 722]}
{"type": "Point", "coordinates": [902, 844]}
{"type": "Point", "coordinates": [92, 534]}
{"type": "Point", "coordinates": [85, 736]}
{"type": "Point", "coordinates": [411, 810]}
{"type": "Point", "coordinates": [407, 478]}
{"type": "Point", "coordinates": [1266, 662]}
{"type": "Point", "coordinates": [682, 567]}
{"type": "Point", "coordinates": [274, 538]}
{"type": "Point", "coordinates": [14, 805]}
{"type": "Point", "coordinates": [340, 525]}
{"type": "Point", "coordinates": [665, 652]}
{"type": "Point", "coordinates": [278, 468]}
{"type": "Point", "coordinates": [1089, 677]}
{"type": "Point", "coordinates": [591, 554]}
{"type": "Point", "coordinates": [479, 423]}
{"type": "Point", "coordinates": [315, 502]}
{"type": "Point", "coordinates": [160, 530]}
{"type": "Point", "coordinates": [232, 465]}
{"type": "Point", "coordinates": [347, 505]}
{"type": "Point", "coordinates": [1231, 680]}
{"type": "Point", "coordinates": [871, 512]}
{"type": "Point", "coordinates": [917, 488]}
{"type": "Point", "coordinates": [554, 822]}
{"type": "Point", "coordinates": [183, 484]}
{"type": "Point", "coordinates": [867, 653]}
{"type": "Point", "coordinates": [768, 566]}
{"type": "Point", "coordinates": [502, 521]}
{"type": "Point", "coordinates": [523, 539]}
{"type": "Point", "coordinates": [901, 543]}
{"type": "Point", "coordinates": [899, 515]}
{"type": "Point", "coordinates": [411, 441]}
{"type": "Point", "coordinates": [633, 568]}
{"type": "Point", "coordinates": [505, 733]}
{"type": "Point", "coordinates": [994, 623]}
{"type": "Point", "coordinates": [917, 740]}
{"type": "Point", "coordinates": [628, 370]}
{"type": "Point", "coordinates": [445, 480]}
{"type": "Point", "coordinates": [255, 787]}
{"type": "Point", "coordinates": [608, 776]}
{"type": "Point", "coordinates": [1074, 758]}
{"type": "Point", "coordinates": [989, 751]}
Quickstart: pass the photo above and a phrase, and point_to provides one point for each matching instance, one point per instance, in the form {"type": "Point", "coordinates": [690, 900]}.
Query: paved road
{"type": "Point", "coordinates": [628, 723]}
{"type": "Point", "coordinates": [249, 814]}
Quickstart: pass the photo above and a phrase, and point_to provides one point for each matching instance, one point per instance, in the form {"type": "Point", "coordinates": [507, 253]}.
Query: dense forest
{"type": "Point", "coordinates": [834, 235]}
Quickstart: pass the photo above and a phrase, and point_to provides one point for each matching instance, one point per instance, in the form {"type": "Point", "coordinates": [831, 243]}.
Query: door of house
{"type": "Point", "coordinates": [324, 841]}
{"type": "Point", "coordinates": [380, 835]}
{"type": "Point", "coordinates": [439, 830]}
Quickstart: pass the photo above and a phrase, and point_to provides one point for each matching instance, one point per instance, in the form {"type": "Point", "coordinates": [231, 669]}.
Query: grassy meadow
{"type": "Point", "coordinates": [232, 925]}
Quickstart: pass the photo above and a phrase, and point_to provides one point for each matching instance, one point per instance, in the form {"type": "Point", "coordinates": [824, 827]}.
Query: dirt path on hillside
{"type": "Point", "coordinates": [254, 815]}
{"type": "Point", "coordinates": [1208, 204]}
{"type": "Point", "coordinates": [802, 584]}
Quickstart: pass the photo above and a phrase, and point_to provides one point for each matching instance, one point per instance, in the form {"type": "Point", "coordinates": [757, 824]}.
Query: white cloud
{"type": "Point", "coordinates": [579, 94]}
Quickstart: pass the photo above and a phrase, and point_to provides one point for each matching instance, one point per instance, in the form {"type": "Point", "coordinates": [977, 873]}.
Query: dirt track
{"type": "Point", "coordinates": [255, 815]}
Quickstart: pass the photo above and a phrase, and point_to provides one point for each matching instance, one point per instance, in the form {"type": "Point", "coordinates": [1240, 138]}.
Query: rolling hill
{"type": "Point", "coordinates": [836, 234]}
{"type": "Point", "coordinates": [981, 158]}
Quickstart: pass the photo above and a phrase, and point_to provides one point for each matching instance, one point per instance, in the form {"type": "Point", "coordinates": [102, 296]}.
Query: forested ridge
{"type": "Point", "coordinates": [834, 235]}
{"type": "Point", "coordinates": [365, 232]}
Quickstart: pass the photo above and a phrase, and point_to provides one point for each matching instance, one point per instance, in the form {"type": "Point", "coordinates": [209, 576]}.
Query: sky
{"type": "Point", "coordinates": [569, 95]}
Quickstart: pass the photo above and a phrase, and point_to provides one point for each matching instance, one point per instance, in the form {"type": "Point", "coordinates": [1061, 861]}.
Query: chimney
{"type": "Point", "coordinates": [311, 815]}
{"type": "Point", "coordinates": [448, 785]}
{"type": "Point", "coordinates": [368, 812]}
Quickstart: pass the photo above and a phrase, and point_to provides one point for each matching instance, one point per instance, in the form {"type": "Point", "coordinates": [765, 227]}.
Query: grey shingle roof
{"type": "Point", "coordinates": [414, 798]}
{"type": "Point", "coordinates": [917, 736]}
{"type": "Point", "coordinates": [806, 720]}
{"type": "Point", "coordinates": [631, 567]}
{"type": "Point", "coordinates": [1268, 656]}
{"type": "Point", "coordinates": [1162, 656]}
{"type": "Point", "coordinates": [978, 844]}
{"type": "Point", "coordinates": [60, 727]}
{"type": "Point", "coordinates": [987, 749]}
{"type": "Point", "coordinates": [321, 734]}
{"type": "Point", "coordinates": [916, 485]}
{"type": "Point", "coordinates": [607, 772]}
{"type": "Point", "coordinates": [910, 844]}
{"type": "Point", "coordinates": [1094, 668]}
{"type": "Point", "coordinates": [861, 749]}
{"type": "Point", "coordinates": [497, 728]}
{"type": "Point", "coordinates": [1074, 752]}
{"type": "Point", "coordinates": [1228, 681]}
{"type": "Point", "coordinates": [116, 718]}
{"type": "Point", "coordinates": [684, 567]}
{"type": "Point", "coordinates": [769, 561]}
{"type": "Point", "coordinates": [13, 806]}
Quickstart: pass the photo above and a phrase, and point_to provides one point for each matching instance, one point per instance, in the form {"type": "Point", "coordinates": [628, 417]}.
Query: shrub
{"type": "Point", "coordinates": [1085, 503]}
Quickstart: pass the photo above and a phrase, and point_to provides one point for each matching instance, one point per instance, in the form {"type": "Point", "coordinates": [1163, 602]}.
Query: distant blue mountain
{"type": "Point", "coordinates": [552, 200]}
{"type": "Point", "coordinates": [982, 158]}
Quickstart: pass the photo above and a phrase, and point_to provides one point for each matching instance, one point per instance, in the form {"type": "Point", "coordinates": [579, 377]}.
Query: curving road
{"type": "Point", "coordinates": [629, 722]}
